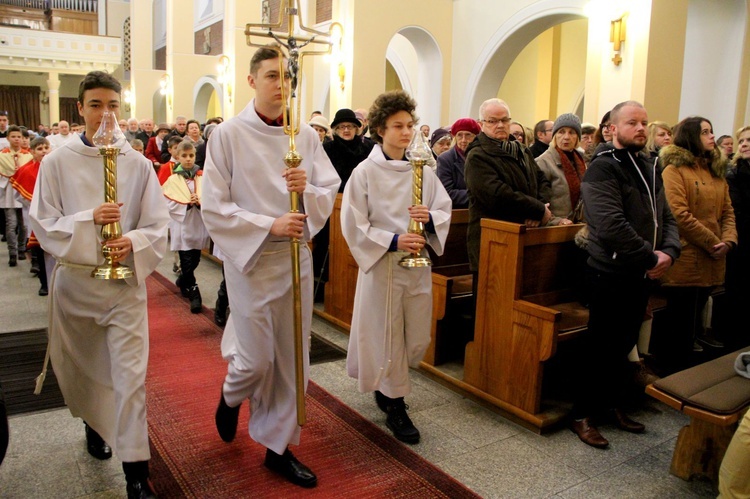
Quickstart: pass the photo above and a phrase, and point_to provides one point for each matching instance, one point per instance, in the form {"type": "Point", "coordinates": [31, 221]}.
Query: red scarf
{"type": "Point", "coordinates": [573, 175]}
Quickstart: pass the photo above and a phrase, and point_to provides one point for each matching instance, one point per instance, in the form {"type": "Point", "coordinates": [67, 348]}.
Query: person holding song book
{"type": "Point", "coordinates": [11, 159]}
{"type": "Point", "coordinates": [23, 182]}
{"type": "Point", "coordinates": [188, 235]}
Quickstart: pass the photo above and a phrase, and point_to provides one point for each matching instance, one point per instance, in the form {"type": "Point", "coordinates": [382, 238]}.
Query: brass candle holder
{"type": "Point", "coordinates": [109, 138]}
{"type": "Point", "coordinates": [418, 154]}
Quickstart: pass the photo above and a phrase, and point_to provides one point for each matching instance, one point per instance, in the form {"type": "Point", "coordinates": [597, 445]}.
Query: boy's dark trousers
{"type": "Point", "coordinates": [189, 261]}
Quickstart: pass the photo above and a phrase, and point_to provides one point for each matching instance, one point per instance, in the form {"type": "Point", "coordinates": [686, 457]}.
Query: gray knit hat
{"type": "Point", "coordinates": [567, 119]}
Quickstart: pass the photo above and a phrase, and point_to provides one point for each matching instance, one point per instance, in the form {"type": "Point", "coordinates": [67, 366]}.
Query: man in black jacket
{"type": "Point", "coordinates": [503, 180]}
{"type": "Point", "coordinates": [632, 242]}
{"type": "Point", "coordinates": [180, 128]}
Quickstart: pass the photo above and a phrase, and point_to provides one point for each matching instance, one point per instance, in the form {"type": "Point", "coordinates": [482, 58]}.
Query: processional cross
{"type": "Point", "coordinates": [293, 58]}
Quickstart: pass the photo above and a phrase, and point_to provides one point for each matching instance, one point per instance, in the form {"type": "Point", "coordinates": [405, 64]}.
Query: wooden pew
{"type": "Point", "coordinates": [526, 303]}
{"type": "Point", "coordinates": [342, 275]}
{"type": "Point", "coordinates": [451, 281]}
{"type": "Point", "coordinates": [451, 292]}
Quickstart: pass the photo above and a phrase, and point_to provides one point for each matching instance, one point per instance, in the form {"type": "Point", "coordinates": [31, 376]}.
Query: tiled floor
{"type": "Point", "coordinates": [492, 456]}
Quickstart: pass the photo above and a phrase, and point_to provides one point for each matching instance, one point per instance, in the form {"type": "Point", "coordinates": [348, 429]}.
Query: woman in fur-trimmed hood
{"type": "Point", "coordinates": [698, 195]}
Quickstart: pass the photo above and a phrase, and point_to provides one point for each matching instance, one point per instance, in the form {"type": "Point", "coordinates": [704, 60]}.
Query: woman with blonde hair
{"type": "Point", "coordinates": [738, 261]}
{"type": "Point", "coordinates": [659, 135]}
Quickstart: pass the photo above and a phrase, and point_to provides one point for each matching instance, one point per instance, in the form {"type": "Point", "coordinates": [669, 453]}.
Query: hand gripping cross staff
{"type": "Point", "coordinates": [294, 59]}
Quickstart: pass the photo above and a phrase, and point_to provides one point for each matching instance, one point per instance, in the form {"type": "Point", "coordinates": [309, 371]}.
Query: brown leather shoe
{"type": "Point", "coordinates": [623, 422]}
{"type": "Point", "coordinates": [588, 433]}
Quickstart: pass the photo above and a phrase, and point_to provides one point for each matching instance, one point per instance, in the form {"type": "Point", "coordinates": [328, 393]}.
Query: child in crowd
{"type": "Point", "coordinates": [392, 306]}
{"type": "Point", "coordinates": [137, 145]}
{"type": "Point", "coordinates": [23, 182]}
{"type": "Point", "coordinates": [188, 234]}
{"type": "Point", "coordinates": [11, 159]}
{"type": "Point", "coordinates": [166, 169]}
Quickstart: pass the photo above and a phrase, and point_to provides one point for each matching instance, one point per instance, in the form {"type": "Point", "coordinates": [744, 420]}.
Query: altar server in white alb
{"type": "Point", "coordinates": [393, 305]}
{"type": "Point", "coordinates": [98, 329]}
{"type": "Point", "coordinates": [245, 207]}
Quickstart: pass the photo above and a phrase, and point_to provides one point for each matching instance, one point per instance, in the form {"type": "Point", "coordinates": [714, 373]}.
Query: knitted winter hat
{"type": "Point", "coordinates": [569, 120]}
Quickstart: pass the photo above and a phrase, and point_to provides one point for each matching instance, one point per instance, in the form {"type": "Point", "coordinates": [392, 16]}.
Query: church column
{"type": "Point", "coordinates": [144, 80]}
{"type": "Point", "coordinates": [180, 46]}
{"type": "Point", "coordinates": [53, 91]}
{"type": "Point", "coordinates": [237, 13]}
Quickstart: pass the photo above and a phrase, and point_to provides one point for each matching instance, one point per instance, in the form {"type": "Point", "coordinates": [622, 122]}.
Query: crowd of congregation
{"type": "Point", "coordinates": [693, 187]}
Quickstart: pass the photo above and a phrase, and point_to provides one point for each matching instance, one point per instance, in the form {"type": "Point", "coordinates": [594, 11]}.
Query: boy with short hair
{"type": "Point", "coordinates": [11, 159]}
{"type": "Point", "coordinates": [98, 331]}
{"type": "Point", "coordinates": [23, 182]}
{"type": "Point", "coordinates": [166, 169]}
{"type": "Point", "coordinates": [246, 211]}
{"type": "Point", "coordinates": [188, 235]}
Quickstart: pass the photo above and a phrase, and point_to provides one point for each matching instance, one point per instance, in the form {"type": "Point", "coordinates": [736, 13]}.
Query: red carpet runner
{"type": "Point", "coordinates": [351, 456]}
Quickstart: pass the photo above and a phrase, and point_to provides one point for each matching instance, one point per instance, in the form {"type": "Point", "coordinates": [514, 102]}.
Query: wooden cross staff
{"type": "Point", "coordinates": [293, 58]}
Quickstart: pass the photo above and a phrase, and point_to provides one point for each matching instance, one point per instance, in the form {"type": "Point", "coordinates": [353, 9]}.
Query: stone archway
{"type": "Point", "coordinates": [415, 56]}
{"type": "Point", "coordinates": [508, 41]}
{"type": "Point", "coordinates": [206, 90]}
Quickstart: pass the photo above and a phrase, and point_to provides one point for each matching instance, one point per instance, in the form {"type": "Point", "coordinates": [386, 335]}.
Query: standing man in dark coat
{"type": "Point", "coordinates": [632, 242]}
{"type": "Point", "coordinates": [542, 137]}
{"type": "Point", "coordinates": [180, 128]}
{"type": "Point", "coordinates": [503, 179]}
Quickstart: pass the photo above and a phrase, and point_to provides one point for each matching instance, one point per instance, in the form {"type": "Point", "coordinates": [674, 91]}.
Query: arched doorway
{"type": "Point", "coordinates": [507, 43]}
{"type": "Point", "coordinates": [207, 99]}
{"type": "Point", "coordinates": [415, 58]}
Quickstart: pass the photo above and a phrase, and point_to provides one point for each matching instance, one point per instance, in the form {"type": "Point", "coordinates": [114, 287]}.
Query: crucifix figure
{"type": "Point", "coordinates": [293, 60]}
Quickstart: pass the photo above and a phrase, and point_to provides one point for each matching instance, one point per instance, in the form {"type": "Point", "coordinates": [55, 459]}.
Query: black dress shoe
{"type": "Point", "coordinates": [399, 423]}
{"type": "Point", "coordinates": [22, 255]}
{"type": "Point", "coordinates": [96, 445]}
{"type": "Point", "coordinates": [140, 489]}
{"type": "Point", "coordinates": [43, 291]}
{"type": "Point", "coordinates": [623, 422]}
{"type": "Point", "coordinates": [12, 261]}
{"type": "Point", "coordinates": [220, 312]}
{"type": "Point", "coordinates": [588, 433]}
{"type": "Point", "coordinates": [290, 468]}
{"type": "Point", "coordinates": [226, 420]}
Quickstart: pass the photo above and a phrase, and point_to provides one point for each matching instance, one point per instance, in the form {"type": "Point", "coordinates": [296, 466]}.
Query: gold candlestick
{"type": "Point", "coordinates": [109, 138]}
{"type": "Point", "coordinates": [417, 153]}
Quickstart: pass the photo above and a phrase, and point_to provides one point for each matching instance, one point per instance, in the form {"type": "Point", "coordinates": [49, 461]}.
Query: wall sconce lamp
{"type": "Point", "coordinates": [337, 56]}
{"type": "Point", "coordinates": [128, 97]}
{"type": "Point", "coordinates": [166, 90]}
{"type": "Point", "coordinates": [224, 69]}
{"type": "Point", "coordinates": [617, 37]}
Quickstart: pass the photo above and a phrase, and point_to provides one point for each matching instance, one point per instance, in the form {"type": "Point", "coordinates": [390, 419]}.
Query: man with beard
{"type": "Point", "coordinates": [632, 242]}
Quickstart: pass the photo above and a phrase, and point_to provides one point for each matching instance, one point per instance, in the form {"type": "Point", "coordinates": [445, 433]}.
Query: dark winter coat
{"type": "Point", "coordinates": [501, 187]}
{"type": "Point", "coordinates": [620, 191]}
{"type": "Point", "coordinates": [346, 155]}
{"type": "Point", "coordinates": [450, 171]}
